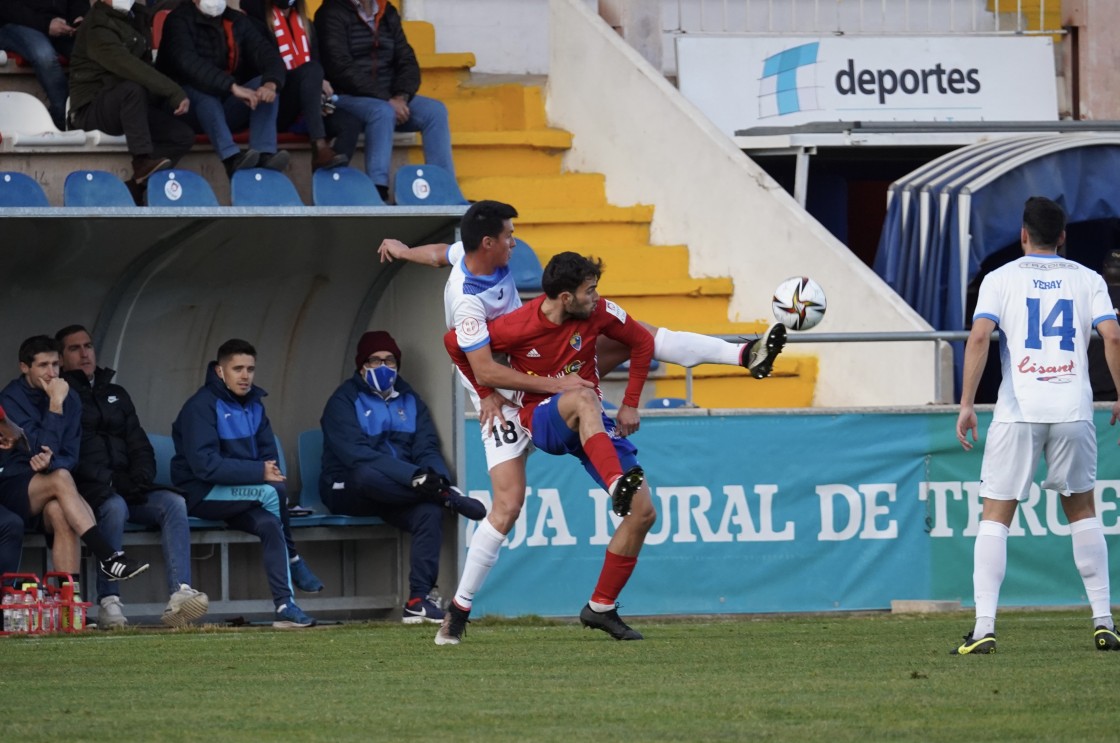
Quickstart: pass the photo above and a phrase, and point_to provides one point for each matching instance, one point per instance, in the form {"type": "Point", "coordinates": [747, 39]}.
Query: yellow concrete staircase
{"type": "Point", "coordinates": [505, 150]}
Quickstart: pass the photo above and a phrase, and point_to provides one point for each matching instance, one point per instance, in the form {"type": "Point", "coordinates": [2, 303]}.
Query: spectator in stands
{"type": "Point", "coordinates": [226, 461]}
{"type": "Point", "coordinates": [11, 525]}
{"type": "Point", "coordinates": [1104, 389]}
{"type": "Point", "coordinates": [307, 93]}
{"type": "Point", "coordinates": [36, 479]}
{"type": "Point", "coordinates": [381, 457]}
{"type": "Point", "coordinates": [116, 475]}
{"type": "Point", "coordinates": [115, 88]}
{"type": "Point", "coordinates": [41, 31]}
{"type": "Point", "coordinates": [232, 75]}
{"type": "Point", "coordinates": [374, 71]}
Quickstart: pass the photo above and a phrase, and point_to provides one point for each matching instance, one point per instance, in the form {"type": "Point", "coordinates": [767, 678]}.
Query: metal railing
{"type": "Point", "coordinates": [878, 17]}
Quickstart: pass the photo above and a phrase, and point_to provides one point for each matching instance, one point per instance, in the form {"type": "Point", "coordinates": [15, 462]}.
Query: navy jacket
{"type": "Point", "coordinates": [220, 439]}
{"type": "Point", "coordinates": [396, 437]}
{"type": "Point", "coordinates": [116, 454]}
{"type": "Point", "coordinates": [29, 408]}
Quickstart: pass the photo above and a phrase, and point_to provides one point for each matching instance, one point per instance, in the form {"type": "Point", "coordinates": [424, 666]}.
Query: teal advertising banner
{"type": "Point", "coordinates": [784, 513]}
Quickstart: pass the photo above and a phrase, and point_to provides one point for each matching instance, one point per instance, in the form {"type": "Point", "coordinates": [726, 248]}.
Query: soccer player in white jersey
{"type": "Point", "coordinates": [481, 288]}
{"type": "Point", "coordinates": [1044, 306]}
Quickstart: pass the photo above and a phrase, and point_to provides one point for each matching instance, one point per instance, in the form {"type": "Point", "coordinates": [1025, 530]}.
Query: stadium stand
{"type": "Point", "coordinates": [17, 189]}
{"type": "Point", "coordinates": [526, 267]}
{"type": "Point", "coordinates": [179, 188]}
{"type": "Point", "coordinates": [93, 188]}
{"type": "Point", "coordinates": [262, 187]}
{"type": "Point", "coordinates": [665, 403]}
{"type": "Point", "coordinates": [424, 185]}
{"type": "Point", "coordinates": [343, 187]}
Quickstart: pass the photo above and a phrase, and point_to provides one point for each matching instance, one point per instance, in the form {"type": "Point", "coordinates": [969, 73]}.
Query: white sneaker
{"type": "Point", "coordinates": [186, 605]}
{"type": "Point", "coordinates": [110, 614]}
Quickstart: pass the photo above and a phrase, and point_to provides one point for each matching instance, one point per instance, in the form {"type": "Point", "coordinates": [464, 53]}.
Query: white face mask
{"type": "Point", "coordinates": [122, 5]}
{"type": "Point", "coordinates": [212, 8]}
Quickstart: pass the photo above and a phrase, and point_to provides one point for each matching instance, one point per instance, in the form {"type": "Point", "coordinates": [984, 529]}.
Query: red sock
{"type": "Point", "coordinates": [600, 450]}
{"type": "Point", "coordinates": [616, 571]}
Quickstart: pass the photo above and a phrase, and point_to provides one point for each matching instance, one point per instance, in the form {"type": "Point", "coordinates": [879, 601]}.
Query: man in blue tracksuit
{"type": "Point", "coordinates": [381, 457]}
{"type": "Point", "coordinates": [226, 462]}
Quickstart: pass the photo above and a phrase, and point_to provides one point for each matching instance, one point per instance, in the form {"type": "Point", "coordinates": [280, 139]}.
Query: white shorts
{"type": "Point", "coordinates": [1011, 458]}
{"type": "Point", "coordinates": [508, 441]}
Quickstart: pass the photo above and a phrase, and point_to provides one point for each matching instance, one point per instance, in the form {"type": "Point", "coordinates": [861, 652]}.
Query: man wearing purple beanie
{"type": "Point", "coordinates": [381, 457]}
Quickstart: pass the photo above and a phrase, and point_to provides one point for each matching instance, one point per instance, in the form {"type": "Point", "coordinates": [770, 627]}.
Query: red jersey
{"type": "Point", "coordinates": [537, 346]}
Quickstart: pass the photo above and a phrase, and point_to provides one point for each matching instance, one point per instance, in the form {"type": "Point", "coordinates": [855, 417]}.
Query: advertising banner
{"type": "Point", "coordinates": [777, 513]}
{"type": "Point", "coordinates": [741, 82]}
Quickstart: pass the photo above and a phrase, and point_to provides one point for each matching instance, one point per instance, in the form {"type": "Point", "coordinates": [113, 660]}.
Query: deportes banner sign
{"type": "Point", "coordinates": [741, 82]}
{"type": "Point", "coordinates": [777, 513]}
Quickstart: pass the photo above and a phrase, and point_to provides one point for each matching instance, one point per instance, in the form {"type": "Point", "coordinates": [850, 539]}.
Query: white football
{"type": "Point", "coordinates": [799, 303]}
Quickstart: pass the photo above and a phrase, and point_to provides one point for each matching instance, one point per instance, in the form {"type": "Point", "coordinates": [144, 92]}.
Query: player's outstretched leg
{"type": "Point", "coordinates": [759, 356]}
{"type": "Point", "coordinates": [454, 625]}
{"type": "Point", "coordinates": [609, 622]}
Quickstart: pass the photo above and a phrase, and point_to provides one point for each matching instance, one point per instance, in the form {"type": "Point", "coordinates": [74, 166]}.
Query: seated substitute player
{"type": "Point", "coordinates": [1044, 306]}
{"type": "Point", "coordinates": [36, 479]}
{"type": "Point", "coordinates": [553, 336]}
{"type": "Point", "coordinates": [226, 461]}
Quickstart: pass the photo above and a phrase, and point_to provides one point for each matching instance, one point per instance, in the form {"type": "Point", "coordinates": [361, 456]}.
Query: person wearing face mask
{"type": "Point", "coordinates": [226, 463]}
{"type": "Point", "coordinates": [286, 22]}
{"type": "Point", "coordinates": [232, 74]}
{"type": "Point", "coordinates": [115, 88]}
{"type": "Point", "coordinates": [381, 457]}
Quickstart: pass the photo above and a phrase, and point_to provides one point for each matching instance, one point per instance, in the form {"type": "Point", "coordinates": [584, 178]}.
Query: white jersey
{"type": "Point", "coordinates": [470, 302]}
{"type": "Point", "coordinates": [1044, 307]}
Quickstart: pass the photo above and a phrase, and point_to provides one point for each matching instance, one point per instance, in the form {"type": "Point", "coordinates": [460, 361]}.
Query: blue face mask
{"type": "Point", "coordinates": [381, 379]}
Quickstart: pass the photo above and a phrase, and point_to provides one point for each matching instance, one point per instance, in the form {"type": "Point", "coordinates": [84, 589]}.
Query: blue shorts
{"type": "Point", "coordinates": [14, 497]}
{"type": "Point", "coordinates": [552, 435]}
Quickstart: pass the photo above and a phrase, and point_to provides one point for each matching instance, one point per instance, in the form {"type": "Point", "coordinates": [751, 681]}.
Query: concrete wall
{"type": "Point", "coordinates": [655, 147]}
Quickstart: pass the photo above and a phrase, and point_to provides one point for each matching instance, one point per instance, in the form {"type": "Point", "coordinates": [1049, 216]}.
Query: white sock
{"type": "Point", "coordinates": [989, 565]}
{"type": "Point", "coordinates": [600, 608]}
{"type": "Point", "coordinates": [690, 349]}
{"type": "Point", "coordinates": [1090, 554]}
{"type": "Point", "coordinates": [481, 556]}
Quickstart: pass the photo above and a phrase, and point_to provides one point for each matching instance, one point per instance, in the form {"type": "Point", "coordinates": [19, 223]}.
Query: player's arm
{"type": "Point", "coordinates": [1110, 334]}
{"type": "Point", "coordinates": [975, 358]}
{"type": "Point", "coordinates": [485, 373]}
{"type": "Point", "coordinates": [633, 334]}
{"type": "Point", "coordinates": [434, 255]}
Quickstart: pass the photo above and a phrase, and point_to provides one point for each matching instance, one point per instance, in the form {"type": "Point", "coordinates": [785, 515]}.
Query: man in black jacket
{"type": "Point", "coordinates": [40, 31]}
{"type": "Point", "coordinates": [115, 474]}
{"type": "Point", "coordinates": [375, 73]}
{"type": "Point", "coordinates": [232, 75]}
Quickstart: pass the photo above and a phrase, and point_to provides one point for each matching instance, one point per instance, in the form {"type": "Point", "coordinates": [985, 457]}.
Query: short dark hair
{"type": "Point", "coordinates": [36, 345]}
{"type": "Point", "coordinates": [70, 330]}
{"type": "Point", "coordinates": [233, 347]}
{"type": "Point", "coordinates": [1044, 221]}
{"type": "Point", "coordinates": [483, 219]}
{"type": "Point", "coordinates": [567, 271]}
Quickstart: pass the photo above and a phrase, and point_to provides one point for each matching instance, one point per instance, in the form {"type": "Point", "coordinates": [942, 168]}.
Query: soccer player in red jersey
{"type": "Point", "coordinates": [553, 336]}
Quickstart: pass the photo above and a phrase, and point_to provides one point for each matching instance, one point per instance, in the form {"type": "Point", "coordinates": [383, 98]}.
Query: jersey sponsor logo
{"type": "Point", "coordinates": [1056, 284]}
{"type": "Point", "coordinates": [615, 310]}
{"type": "Point", "coordinates": [1054, 373]}
{"type": "Point", "coordinates": [576, 341]}
{"type": "Point", "coordinates": [1047, 265]}
{"type": "Point", "coordinates": [533, 354]}
{"type": "Point", "coordinates": [571, 368]}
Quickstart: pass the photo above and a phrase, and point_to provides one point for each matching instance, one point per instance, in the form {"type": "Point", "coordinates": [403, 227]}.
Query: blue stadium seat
{"type": "Point", "coordinates": [608, 405]}
{"type": "Point", "coordinates": [667, 402]}
{"type": "Point", "coordinates": [262, 187]}
{"type": "Point", "coordinates": [343, 187]}
{"type": "Point", "coordinates": [17, 189]}
{"type": "Point", "coordinates": [310, 466]}
{"type": "Point", "coordinates": [179, 188]}
{"type": "Point", "coordinates": [526, 267]}
{"type": "Point", "coordinates": [426, 185]}
{"type": "Point", "coordinates": [95, 188]}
